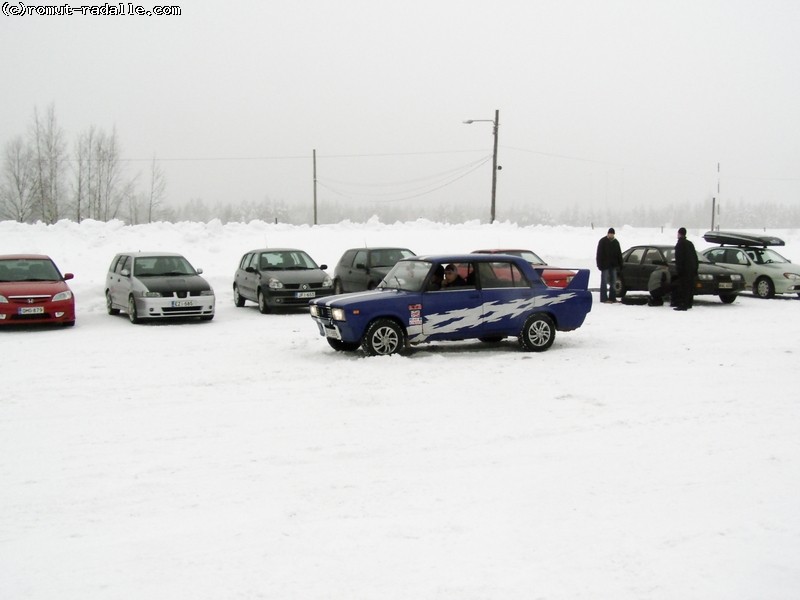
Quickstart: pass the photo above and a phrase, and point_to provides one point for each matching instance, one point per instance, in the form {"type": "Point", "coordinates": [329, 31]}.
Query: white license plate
{"type": "Point", "coordinates": [305, 295]}
{"type": "Point", "coordinates": [31, 310]}
{"type": "Point", "coordinates": [725, 286]}
{"type": "Point", "coordinates": [332, 332]}
{"type": "Point", "coordinates": [179, 303]}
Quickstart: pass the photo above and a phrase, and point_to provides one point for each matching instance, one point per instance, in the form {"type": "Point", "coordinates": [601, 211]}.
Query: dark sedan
{"type": "Point", "coordinates": [639, 262]}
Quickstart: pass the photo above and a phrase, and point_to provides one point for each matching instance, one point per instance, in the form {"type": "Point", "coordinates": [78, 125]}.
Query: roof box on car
{"type": "Point", "coordinates": [732, 238]}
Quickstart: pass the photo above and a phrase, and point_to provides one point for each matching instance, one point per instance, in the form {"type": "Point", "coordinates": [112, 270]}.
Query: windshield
{"type": "Point", "coordinates": [388, 257]}
{"type": "Point", "coordinates": [765, 256]}
{"type": "Point", "coordinates": [28, 270]}
{"type": "Point", "coordinates": [528, 256]}
{"type": "Point", "coordinates": [407, 275]}
{"type": "Point", "coordinates": [285, 260]}
{"type": "Point", "coordinates": [161, 266]}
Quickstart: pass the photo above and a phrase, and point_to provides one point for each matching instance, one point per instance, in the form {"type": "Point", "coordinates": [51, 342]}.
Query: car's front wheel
{"type": "Point", "coordinates": [383, 336]}
{"type": "Point", "coordinates": [110, 305]}
{"type": "Point", "coordinates": [133, 314]}
{"type": "Point", "coordinates": [538, 333]}
{"type": "Point", "coordinates": [337, 287]}
{"type": "Point", "coordinates": [237, 297]}
{"type": "Point", "coordinates": [619, 288]}
{"type": "Point", "coordinates": [342, 346]}
{"type": "Point", "coordinates": [727, 298]}
{"type": "Point", "coordinates": [764, 288]}
{"type": "Point", "coordinates": [263, 307]}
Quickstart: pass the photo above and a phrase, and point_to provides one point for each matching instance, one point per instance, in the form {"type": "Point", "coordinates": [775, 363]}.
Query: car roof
{"type": "Point", "coordinates": [464, 257]}
{"type": "Point", "coordinates": [659, 246]}
{"type": "Point", "coordinates": [733, 238]}
{"type": "Point", "coordinates": [139, 254]}
{"type": "Point", "coordinates": [371, 248]}
{"type": "Point", "coordinates": [276, 250]}
{"type": "Point", "coordinates": [501, 251]}
{"type": "Point", "coordinates": [24, 257]}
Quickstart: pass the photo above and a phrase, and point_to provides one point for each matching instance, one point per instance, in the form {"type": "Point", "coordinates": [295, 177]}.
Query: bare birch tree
{"type": "Point", "coordinates": [158, 188]}
{"type": "Point", "coordinates": [17, 184]}
{"type": "Point", "coordinates": [49, 158]}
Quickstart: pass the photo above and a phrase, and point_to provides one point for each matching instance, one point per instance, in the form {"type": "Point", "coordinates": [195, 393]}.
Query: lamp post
{"type": "Point", "coordinates": [496, 123]}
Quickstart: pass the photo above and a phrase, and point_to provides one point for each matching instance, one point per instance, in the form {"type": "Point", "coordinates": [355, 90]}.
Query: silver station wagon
{"type": "Point", "coordinates": [157, 285]}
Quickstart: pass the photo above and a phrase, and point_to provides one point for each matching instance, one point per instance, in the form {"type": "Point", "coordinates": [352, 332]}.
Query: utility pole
{"type": "Point", "coordinates": [496, 126]}
{"type": "Point", "coordinates": [315, 185]}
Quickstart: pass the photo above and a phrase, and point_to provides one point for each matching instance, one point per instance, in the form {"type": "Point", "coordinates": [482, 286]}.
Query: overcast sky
{"type": "Point", "coordinates": [602, 102]}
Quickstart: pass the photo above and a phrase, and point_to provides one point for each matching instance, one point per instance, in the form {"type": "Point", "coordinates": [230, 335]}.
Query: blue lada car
{"type": "Point", "coordinates": [454, 297]}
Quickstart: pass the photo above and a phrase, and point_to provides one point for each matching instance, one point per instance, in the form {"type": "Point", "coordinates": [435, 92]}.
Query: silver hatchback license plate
{"type": "Point", "coordinates": [305, 295]}
{"type": "Point", "coordinates": [180, 303]}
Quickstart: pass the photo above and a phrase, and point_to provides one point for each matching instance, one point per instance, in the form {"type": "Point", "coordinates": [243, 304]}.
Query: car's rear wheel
{"type": "Point", "coordinates": [263, 307]}
{"type": "Point", "coordinates": [383, 336]}
{"type": "Point", "coordinates": [237, 297]}
{"type": "Point", "coordinates": [110, 305]}
{"type": "Point", "coordinates": [133, 314]}
{"type": "Point", "coordinates": [727, 298]}
{"type": "Point", "coordinates": [764, 288]}
{"type": "Point", "coordinates": [538, 333]}
{"type": "Point", "coordinates": [619, 288]}
{"type": "Point", "coordinates": [337, 288]}
{"type": "Point", "coordinates": [341, 346]}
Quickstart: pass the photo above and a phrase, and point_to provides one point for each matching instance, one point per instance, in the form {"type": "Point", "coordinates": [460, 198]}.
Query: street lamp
{"type": "Point", "coordinates": [496, 123]}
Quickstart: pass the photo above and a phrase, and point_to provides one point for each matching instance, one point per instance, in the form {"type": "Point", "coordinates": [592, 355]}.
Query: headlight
{"type": "Point", "coordinates": [3, 299]}
{"type": "Point", "coordinates": [314, 310]}
{"type": "Point", "coordinates": [274, 284]}
{"type": "Point", "coordinates": [327, 282]}
{"type": "Point", "coordinates": [705, 277]}
{"type": "Point", "coordinates": [151, 294]}
{"type": "Point", "coordinates": [338, 314]}
{"type": "Point", "coordinates": [62, 296]}
{"type": "Point", "coordinates": [207, 293]}
{"type": "Point", "coordinates": [736, 277]}
{"type": "Point", "coordinates": [792, 276]}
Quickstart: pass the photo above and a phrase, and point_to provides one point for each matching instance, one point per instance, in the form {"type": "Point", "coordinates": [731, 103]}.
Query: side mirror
{"type": "Point", "coordinates": [361, 266]}
{"type": "Point", "coordinates": [249, 270]}
{"type": "Point", "coordinates": [323, 267]}
{"type": "Point", "coordinates": [68, 276]}
{"type": "Point", "coordinates": [125, 273]}
{"type": "Point", "coordinates": [199, 271]}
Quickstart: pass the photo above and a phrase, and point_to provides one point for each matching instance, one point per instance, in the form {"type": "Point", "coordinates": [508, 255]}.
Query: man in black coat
{"type": "Point", "coordinates": [685, 272]}
{"type": "Point", "coordinates": [609, 261]}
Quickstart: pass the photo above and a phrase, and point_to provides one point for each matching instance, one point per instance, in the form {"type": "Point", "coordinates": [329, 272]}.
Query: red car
{"type": "Point", "coordinates": [552, 276]}
{"type": "Point", "coordinates": [32, 290]}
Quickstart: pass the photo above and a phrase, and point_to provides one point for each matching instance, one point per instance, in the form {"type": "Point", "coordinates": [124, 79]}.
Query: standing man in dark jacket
{"type": "Point", "coordinates": [685, 272]}
{"type": "Point", "coordinates": [609, 261]}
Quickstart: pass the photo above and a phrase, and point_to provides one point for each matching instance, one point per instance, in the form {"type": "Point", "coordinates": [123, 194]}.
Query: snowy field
{"type": "Point", "coordinates": [649, 454]}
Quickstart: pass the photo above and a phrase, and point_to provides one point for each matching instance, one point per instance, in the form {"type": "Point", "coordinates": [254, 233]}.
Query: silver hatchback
{"type": "Point", "coordinates": [157, 285]}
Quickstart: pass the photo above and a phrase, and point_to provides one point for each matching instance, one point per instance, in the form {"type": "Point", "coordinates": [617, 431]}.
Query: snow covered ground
{"type": "Point", "coordinates": [649, 454]}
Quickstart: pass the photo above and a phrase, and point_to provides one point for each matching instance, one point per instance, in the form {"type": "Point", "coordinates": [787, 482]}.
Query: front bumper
{"type": "Point", "coordinates": [166, 308]}
{"type": "Point", "coordinates": [290, 297]}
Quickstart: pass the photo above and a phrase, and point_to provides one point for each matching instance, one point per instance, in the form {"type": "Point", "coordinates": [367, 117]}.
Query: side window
{"type": "Point", "coordinates": [501, 275]}
{"type": "Point", "coordinates": [245, 261]}
{"type": "Point", "coordinates": [653, 257]}
{"type": "Point", "coordinates": [635, 257]}
{"type": "Point", "coordinates": [124, 262]}
{"type": "Point", "coordinates": [347, 258]}
{"type": "Point", "coordinates": [717, 255]}
{"type": "Point", "coordinates": [360, 259]}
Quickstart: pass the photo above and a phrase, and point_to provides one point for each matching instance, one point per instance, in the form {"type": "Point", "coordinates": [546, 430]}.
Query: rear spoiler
{"type": "Point", "coordinates": [580, 281]}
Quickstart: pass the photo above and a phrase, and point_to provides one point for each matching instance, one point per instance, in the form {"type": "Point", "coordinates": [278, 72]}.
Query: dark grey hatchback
{"type": "Point", "coordinates": [279, 277]}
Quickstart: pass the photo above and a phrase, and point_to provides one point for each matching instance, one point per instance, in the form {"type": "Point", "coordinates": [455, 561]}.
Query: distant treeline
{"type": "Point", "coordinates": [731, 215]}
